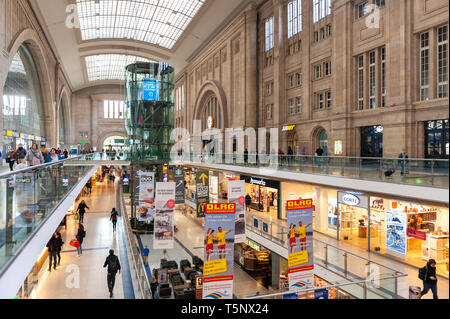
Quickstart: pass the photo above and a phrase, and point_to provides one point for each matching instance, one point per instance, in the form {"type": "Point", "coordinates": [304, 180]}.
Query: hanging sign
{"type": "Point", "coordinates": [300, 237]}
{"type": "Point", "coordinates": [164, 215]}
{"type": "Point", "coordinates": [219, 251]}
{"type": "Point", "coordinates": [236, 194]}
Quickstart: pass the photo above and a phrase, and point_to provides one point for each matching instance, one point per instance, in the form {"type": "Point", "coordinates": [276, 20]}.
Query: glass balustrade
{"type": "Point", "coordinates": [27, 199]}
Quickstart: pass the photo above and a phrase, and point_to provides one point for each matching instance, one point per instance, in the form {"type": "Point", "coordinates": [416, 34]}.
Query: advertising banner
{"type": "Point", "coordinates": [178, 178]}
{"type": "Point", "coordinates": [126, 179]}
{"type": "Point", "coordinates": [396, 233]}
{"type": "Point", "coordinates": [145, 189]}
{"type": "Point", "coordinates": [321, 293]}
{"type": "Point", "coordinates": [411, 232]}
{"type": "Point", "coordinates": [164, 216]}
{"type": "Point", "coordinates": [236, 194]}
{"type": "Point", "coordinates": [300, 237]}
{"type": "Point", "coordinates": [202, 186]}
{"type": "Point", "coordinates": [219, 251]}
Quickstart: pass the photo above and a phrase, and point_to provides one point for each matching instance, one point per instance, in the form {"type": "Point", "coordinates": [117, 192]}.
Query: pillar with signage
{"type": "Point", "coordinates": [202, 188]}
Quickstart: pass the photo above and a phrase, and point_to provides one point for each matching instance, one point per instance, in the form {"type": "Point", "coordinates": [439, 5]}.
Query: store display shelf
{"type": "Point", "coordinates": [415, 213]}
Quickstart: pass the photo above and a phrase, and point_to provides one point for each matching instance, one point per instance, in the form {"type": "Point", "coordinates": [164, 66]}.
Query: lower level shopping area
{"type": "Point", "coordinates": [355, 238]}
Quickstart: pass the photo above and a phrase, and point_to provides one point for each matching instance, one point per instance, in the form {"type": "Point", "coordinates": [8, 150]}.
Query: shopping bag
{"type": "Point", "coordinates": [74, 243]}
{"type": "Point", "coordinates": [76, 216]}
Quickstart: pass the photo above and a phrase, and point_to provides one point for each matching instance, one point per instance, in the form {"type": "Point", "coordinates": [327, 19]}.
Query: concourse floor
{"type": "Point", "coordinates": [99, 239]}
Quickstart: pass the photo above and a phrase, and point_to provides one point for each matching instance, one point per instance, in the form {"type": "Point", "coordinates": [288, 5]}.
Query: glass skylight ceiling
{"type": "Point", "coordinates": [159, 22]}
{"type": "Point", "coordinates": [109, 66]}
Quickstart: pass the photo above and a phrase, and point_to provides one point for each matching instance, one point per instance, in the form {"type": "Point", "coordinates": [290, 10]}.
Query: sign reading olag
{"type": "Point", "coordinates": [219, 251]}
{"type": "Point", "coordinates": [300, 236]}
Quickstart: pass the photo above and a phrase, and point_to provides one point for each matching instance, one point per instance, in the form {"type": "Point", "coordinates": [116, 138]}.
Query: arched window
{"type": "Point", "coordinates": [61, 125]}
{"type": "Point", "coordinates": [23, 112]}
{"type": "Point", "coordinates": [211, 115]}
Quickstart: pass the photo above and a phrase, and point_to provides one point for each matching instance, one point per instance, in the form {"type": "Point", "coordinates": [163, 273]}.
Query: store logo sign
{"type": "Point", "coordinates": [260, 182]}
{"type": "Point", "coordinates": [350, 199]}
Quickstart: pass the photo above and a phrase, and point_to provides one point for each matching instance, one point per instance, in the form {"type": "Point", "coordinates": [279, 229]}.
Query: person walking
{"type": "Point", "coordinates": [66, 153]}
{"type": "Point", "coordinates": [428, 276]}
{"type": "Point", "coordinates": [248, 201]}
{"type": "Point", "coordinates": [402, 161]}
{"type": "Point", "coordinates": [52, 247]}
{"type": "Point", "coordinates": [53, 156]}
{"type": "Point", "coordinates": [21, 153]}
{"type": "Point", "coordinates": [154, 287]}
{"type": "Point", "coordinates": [81, 210]}
{"type": "Point", "coordinates": [113, 218]}
{"type": "Point", "coordinates": [89, 186]}
{"type": "Point", "coordinates": [60, 244]}
{"type": "Point", "coordinates": [319, 153]}
{"type": "Point", "coordinates": [11, 157]}
{"type": "Point", "coordinates": [34, 156]}
{"type": "Point", "coordinates": [112, 261]}
{"type": "Point", "coordinates": [80, 236]}
{"type": "Point", "coordinates": [145, 253]}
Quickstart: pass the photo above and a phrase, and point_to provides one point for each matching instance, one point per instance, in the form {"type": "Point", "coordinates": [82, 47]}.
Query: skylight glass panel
{"type": "Point", "coordinates": [159, 22]}
{"type": "Point", "coordinates": [109, 66]}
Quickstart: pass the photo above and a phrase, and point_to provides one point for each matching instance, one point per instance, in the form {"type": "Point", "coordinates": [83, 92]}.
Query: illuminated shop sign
{"type": "Point", "coordinates": [288, 128]}
{"type": "Point", "coordinates": [350, 199]}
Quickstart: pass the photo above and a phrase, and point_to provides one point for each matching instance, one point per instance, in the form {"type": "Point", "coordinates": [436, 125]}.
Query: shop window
{"type": "Point", "coordinates": [437, 139]}
{"type": "Point", "coordinates": [372, 141]}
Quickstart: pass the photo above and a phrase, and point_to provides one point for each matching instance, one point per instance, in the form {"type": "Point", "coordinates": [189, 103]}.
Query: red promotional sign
{"type": "Point", "coordinates": [410, 232]}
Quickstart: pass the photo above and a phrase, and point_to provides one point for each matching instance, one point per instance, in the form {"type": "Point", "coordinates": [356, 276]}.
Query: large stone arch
{"type": "Point", "coordinates": [102, 138]}
{"type": "Point", "coordinates": [30, 38]}
{"type": "Point", "coordinates": [206, 91]}
{"type": "Point", "coordinates": [65, 102]}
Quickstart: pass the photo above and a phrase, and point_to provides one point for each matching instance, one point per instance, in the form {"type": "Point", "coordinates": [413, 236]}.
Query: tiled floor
{"type": "Point", "coordinates": [61, 284]}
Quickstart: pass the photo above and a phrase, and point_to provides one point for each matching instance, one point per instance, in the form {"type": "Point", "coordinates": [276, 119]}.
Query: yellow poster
{"type": "Point", "coordinates": [214, 267]}
{"type": "Point", "coordinates": [298, 258]}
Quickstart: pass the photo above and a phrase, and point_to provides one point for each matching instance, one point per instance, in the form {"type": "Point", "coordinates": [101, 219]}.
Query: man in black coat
{"type": "Point", "coordinates": [53, 247]}
{"type": "Point", "coordinates": [112, 261]}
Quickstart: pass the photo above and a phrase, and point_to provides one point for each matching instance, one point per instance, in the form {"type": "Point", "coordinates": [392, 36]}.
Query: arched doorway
{"type": "Point", "coordinates": [115, 143]}
{"type": "Point", "coordinates": [320, 139]}
{"type": "Point", "coordinates": [292, 143]}
{"type": "Point", "coordinates": [23, 111]}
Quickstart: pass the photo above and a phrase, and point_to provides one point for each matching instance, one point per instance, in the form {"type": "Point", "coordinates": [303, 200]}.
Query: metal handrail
{"type": "Point", "coordinates": [309, 289]}
{"type": "Point", "coordinates": [134, 250]}
{"type": "Point", "coordinates": [31, 168]}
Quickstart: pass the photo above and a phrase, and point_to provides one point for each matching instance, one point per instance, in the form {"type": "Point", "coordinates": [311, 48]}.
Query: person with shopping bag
{"type": "Point", "coordinates": [80, 236]}
{"type": "Point", "coordinates": [34, 156]}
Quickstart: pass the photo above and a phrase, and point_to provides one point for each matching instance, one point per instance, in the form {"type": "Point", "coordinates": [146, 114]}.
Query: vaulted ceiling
{"type": "Point", "coordinates": [95, 39]}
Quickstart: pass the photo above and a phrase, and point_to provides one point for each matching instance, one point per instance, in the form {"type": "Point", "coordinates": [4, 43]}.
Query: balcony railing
{"type": "Point", "coordinates": [365, 278]}
{"type": "Point", "coordinates": [28, 197]}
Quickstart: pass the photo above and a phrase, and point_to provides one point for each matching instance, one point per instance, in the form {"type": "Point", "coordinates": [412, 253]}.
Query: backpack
{"type": "Point", "coordinates": [113, 264]}
{"type": "Point", "coordinates": [83, 233]}
{"type": "Point", "coordinates": [423, 273]}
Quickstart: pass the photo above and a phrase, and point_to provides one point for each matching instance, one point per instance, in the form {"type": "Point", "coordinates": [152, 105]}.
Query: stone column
{"type": "Point", "coordinates": [251, 55]}
{"type": "Point", "coordinates": [279, 72]}
{"type": "Point", "coordinates": [276, 271]}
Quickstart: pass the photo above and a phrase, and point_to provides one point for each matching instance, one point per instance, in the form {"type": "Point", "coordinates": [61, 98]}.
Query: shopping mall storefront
{"type": "Point", "coordinates": [264, 194]}
{"type": "Point", "coordinates": [405, 230]}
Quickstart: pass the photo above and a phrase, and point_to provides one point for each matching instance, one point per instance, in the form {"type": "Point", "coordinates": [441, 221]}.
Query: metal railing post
{"type": "Point", "coordinates": [326, 255]}
{"type": "Point", "coordinates": [365, 290]}
{"type": "Point", "coordinates": [396, 287]}
{"type": "Point", "coordinates": [345, 265]}
{"type": "Point", "coordinates": [432, 173]}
